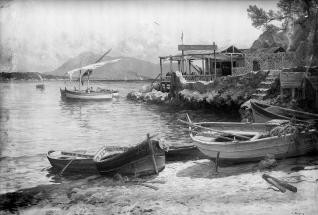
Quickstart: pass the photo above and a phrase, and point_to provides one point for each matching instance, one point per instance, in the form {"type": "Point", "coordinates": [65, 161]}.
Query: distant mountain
{"type": "Point", "coordinates": [128, 68]}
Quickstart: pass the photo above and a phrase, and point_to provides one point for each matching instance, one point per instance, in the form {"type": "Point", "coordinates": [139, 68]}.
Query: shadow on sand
{"type": "Point", "coordinates": [206, 168]}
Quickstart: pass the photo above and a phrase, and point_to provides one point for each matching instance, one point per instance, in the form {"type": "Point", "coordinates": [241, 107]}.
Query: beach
{"type": "Point", "coordinates": [190, 187]}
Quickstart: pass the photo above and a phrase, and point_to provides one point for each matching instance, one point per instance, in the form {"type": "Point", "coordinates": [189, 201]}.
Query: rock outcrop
{"type": "Point", "coordinates": [227, 91]}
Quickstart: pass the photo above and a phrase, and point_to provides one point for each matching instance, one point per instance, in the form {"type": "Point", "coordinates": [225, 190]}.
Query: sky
{"type": "Point", "coordinates": [41, 35]}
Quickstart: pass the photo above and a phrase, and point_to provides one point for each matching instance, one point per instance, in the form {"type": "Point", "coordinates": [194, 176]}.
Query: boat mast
{"type": "Point", "coordinates": [80, 80]}
{"type": "Point", "coordinates": [88, 81]}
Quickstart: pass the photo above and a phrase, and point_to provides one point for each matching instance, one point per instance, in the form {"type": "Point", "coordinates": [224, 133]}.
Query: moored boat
{"type": "Point", "coordinates": [264, 112]}
{"type": "Point", "coordinates": [242, 142]}
{"type": "Point", "coordinates": [39, 86]}
{"type": "Point", "coordinates": [88, 94]}
{"type": "Point", "coordinates": [146, 158]}
{"type": "Point", "coordinates": [72, 162]}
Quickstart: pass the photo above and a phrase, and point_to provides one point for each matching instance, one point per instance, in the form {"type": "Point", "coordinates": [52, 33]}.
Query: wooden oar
{"type": "Point", "coordinates": [210, 129]}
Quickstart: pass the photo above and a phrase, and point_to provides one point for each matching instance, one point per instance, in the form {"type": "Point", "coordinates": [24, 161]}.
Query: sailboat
{"type": "Point", "coordinates": [89, 93]}
{"type": "Point", "coordinates": [41, 85]}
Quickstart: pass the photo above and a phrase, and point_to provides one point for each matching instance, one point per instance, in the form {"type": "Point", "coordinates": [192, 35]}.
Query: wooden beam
{"type": "Point", "coordinates": [196, 47]}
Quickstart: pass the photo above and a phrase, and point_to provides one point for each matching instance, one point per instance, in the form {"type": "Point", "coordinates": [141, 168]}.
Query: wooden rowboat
{"type": "Point", "coordinates": [255, 145]}
{"type": "Point", "coordinates": [265, 112]}
{"type": "Point", "coordinates": [72, 162]}
{"type": "Point", "coordinates": [146, 158]}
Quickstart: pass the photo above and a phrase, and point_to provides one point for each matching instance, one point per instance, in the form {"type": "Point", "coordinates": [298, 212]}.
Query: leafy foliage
{"type": "Point", "coordinates": [289, 11]}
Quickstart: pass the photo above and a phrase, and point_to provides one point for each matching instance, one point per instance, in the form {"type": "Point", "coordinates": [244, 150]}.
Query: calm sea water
{"type": "Point", "coordinates": [34, 121]}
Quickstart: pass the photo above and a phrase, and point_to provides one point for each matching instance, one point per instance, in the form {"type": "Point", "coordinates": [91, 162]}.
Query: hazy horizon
{"type": "Point", "coordinates": [42, 35]}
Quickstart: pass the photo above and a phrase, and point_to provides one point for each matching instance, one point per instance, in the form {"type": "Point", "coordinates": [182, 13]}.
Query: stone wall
{"type": "Point", "coordinates": [269, 61]}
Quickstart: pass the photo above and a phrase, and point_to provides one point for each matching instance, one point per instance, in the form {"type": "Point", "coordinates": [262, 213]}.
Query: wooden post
{"type": "Point", "coordinates": [189, 66]}
{"type": "Point", "coordinates": [293, 93]}
{"type": "Point", "coordinates": [217, 162]}
{"type": "Point", "coordinates": [152, 154]}
{"type": "Point", "coordinates": [214, 64]}
{"type": "Point", "coordinates": [316, 99]}
{"type": "Point", "coordinates": [179, 66]}
{"type": "Point", "coordinates": [160, 73]}
{"type": "Point", "coordinates": [303, 90]}
{"type": "Point", "coordinates": [182, 62]}
{"type": "Point", "coordinates": [171, 65]}
{"type": "Point", "coordinates": [231, 65]}
{"type": "Point", "coordinates": [203, 66]}
{"type": "Point", "coordinates": [281, 93]}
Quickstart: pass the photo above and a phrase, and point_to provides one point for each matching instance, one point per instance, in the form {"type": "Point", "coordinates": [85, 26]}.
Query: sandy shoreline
{"type": "Point", "coordinates": [190, 187]}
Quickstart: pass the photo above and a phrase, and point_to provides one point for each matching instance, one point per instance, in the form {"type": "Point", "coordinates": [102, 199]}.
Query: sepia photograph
{"type": "Point", "coordinates": [158, 107]}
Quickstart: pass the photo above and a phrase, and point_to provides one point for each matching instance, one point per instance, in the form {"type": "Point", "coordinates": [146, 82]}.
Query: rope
{"type": "Point", "coordinates": [67, 165]}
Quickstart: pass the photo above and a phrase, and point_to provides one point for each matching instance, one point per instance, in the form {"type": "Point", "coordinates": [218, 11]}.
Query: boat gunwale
{"type": "Point", "coordinates": [259, 108]}
{"type": "Point", "coordinates": [83, 156]}
{"type": "Point", "coordinates": [231, 143]}
{"type": "Point", "coordinates": [131, 162]}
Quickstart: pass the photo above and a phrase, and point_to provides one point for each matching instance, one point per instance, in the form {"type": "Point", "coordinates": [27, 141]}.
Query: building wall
{"type": "Point", "coordinates": [266, 61]}
{"type": "Point", "coordinates": [269, 61]}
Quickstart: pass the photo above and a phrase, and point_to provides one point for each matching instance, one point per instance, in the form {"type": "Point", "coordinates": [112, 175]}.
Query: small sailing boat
{"type": "Point", "coordinates": [89, 93]}
{"type": "Point", "coordinates": [41, 85]}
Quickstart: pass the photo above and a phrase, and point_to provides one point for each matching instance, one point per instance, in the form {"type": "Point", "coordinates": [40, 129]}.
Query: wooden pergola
{"type": "Point", "coordinates": [208, 56]}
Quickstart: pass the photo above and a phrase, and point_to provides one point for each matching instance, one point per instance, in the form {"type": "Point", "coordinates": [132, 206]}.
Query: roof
{"type": "Point", "coordinates": [198, 55]}
{"type": "Point", "coordinates": [231, 49]}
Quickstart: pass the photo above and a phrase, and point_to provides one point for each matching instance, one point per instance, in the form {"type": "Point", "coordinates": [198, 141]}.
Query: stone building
{"type": "Point", "coordinates": [274, 58]}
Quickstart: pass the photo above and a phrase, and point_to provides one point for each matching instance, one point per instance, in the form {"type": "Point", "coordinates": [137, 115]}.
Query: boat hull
{"type": "Point", "coordinates": [254, 150]}
{"type": "Point", "coordinates": [84, 165]}
{"type": "Point", "coordinates": [176, 153]}
{"type": "Point", "coordinates": [76, 95]}
{"type": "Point", "coordinates": [40, 86]}
{"type": "Point", "coordinates": [136, 160]}
{"type": "Point", "coordinates": [264, 113]}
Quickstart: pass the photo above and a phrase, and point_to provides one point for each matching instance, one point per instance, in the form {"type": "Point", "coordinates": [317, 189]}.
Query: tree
{"type": "Point", "coordinates": [298, 20]}
{"type": "Point", "coordinates": [290, 11]}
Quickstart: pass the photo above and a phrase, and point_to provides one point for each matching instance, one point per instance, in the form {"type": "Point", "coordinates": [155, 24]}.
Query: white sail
{"type": "Point", "coordinates": [90, 67]}
{"type": "Point", "coordinates": [40, 77]}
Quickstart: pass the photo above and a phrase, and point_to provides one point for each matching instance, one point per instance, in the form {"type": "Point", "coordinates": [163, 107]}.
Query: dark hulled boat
{"type": "Point", "coordinates": [264, 112]}
{"type": "Point", "coordinates": [146, 158]}
{"type": "Point", "coordinates": [72, 162]}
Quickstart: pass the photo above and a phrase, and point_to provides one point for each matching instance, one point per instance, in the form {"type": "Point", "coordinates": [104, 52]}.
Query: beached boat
{"type": "Point", "coordinates": [175, 153]}
{"type": "Point", "coordinates": [72, 162]}
{"type": "Point", "coordinates": [241, 142]}
{"type": "Point", "coordinates": [264, 112]}
{"type": "Point", "coordinates": [89, 93]}
{"type": "Point", "coordinates": [146, 158]}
